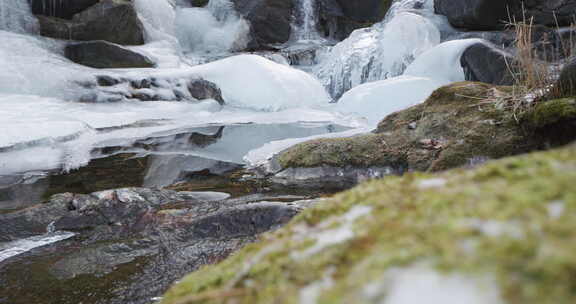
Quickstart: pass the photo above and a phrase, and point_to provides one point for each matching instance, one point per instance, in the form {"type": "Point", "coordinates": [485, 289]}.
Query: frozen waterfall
{"type": "Point", "coordinates": [16, 16]}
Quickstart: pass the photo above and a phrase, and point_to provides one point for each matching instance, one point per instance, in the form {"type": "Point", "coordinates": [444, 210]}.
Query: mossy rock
{"type": "Point", "coordinates": [505, 229]}
{"type": "Point", "coordinates": [457, 125]}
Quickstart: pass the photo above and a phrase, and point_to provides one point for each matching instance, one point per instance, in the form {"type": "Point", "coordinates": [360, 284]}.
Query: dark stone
{"type": "Point", "coordinates": [106, 81]}
{"type": "Point", "coordinates": [485, 63]}
{"type": "Point", "coordinates": [64, 9]}
{"type": "Point", "coordinates": [338, 18]}
{"type": "Point", "coordinates": [494, 15]}
{"type": "Point", "coordinates": [102, 54]}
{"type": "Point", "coordinates": [566, 83]}
{"type": "Point", "coordinates": [114, 21]}
{"type": "Point", "coordinates": [199, 3]}
{"type": "Point", "coordinates": [270, 21]}
{"type": "Point", "coordinates": [203, 89]}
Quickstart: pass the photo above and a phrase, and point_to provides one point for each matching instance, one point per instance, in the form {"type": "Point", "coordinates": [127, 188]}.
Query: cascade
{"type": "Point", "coordinates": [214, 29]}
{"type": "Point", "coordinates": [16, 16]}
{"type": "Point", "coordinates": [381, 51]}
{"type": "Point", "coordinates": [305, 27]}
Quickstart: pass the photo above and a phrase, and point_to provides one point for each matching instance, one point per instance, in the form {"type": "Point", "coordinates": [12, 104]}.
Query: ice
{"type": "Point", "coordinates": [305, 27]}
{"type": "Point", "coordinates": [11, 249]}
{"type": "Point", "coordinates": [436, 67]}
{"type": "Point", "coordinates": [16, 16]}
{"type": "Point", "coordinates": [264, 153]}
{"type": "Point", "coordinates": [217, 28]}
{"type": "Point", "coordinates": [376, 100]}
{"type": "Point", "coordinates": [35, 65]}
{"type": "Point", "coordinates": [442, 62]}
{"type": "Point", "coordinates": [158, 17]}
{"type": "Point", "coordinates": [379, 52]}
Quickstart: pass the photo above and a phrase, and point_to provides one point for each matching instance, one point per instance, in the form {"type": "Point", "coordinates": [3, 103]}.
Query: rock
{"type": "Point", "coordinates": [270, 21]}
{"type": "Point", "coordinates": [456, 125]}
{"type": "Point", "coordinates": [138, 238]}
{"type": "Point", "coordinates": [203, 89]}
{"type": "Point", "coordinates": [340, 17]}
{"type": "Point", "coordinates": [199, 3]}
{"type": "Point", "coordinates": [114, 21]}
{"type": "Point", "coordinates": [494, 15]}
{"type": "Point", "coordinates": [60, 9]}
{"type": "Point", "coordinates": [105, 55]}
{"type": "Point", "coordinates": [485, 63]}
{"type": "Point", "coordinates": [371, 244]}
{"type": "Point", "coordinates": [566, 84]}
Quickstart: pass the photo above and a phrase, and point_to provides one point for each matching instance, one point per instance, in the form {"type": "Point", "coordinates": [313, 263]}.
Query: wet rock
{"type": "Point", "coordinates": [339, 18]}
{"type": "Point", "coordinates": [203, 89]}
{"type": "Point", "coordinates": [105, 55]}
{"type": "Point", "coordinates": [485, 63]}
{"type": "Point", "coordinates": [141, 239]}
{"type": "Point", "coordinates": [114, 21]}
{"type": "Point", "coordinates": [270, 21]}
{"type": "Point", "coordinates": [494, 15]}
{"type": "Point", "coordinates": [60, 9]}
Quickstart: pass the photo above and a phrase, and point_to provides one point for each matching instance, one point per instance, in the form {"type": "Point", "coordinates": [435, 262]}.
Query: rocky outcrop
{"type": "Point", "coordinates": [137, 238]}
{"type": "Point", "coordinates": [110, 88]}
{"type": "Point", "coordinates": [203, 89]}
{"type": "Point", "coordinates": [485, 63]}
{"type": "Point", "coordinates": [60, 9]}
{"type": "Point", "coordinates": [105, 55]}
{"type": "Point", "coordinates": [500, 233]}
{"type": "Point", "coordinates": [339, 18]}
{"type": "Point", "coordinates": [461, 124]}
{"type": "Point", "coordinates": [114, 21]}
{"type": "Point", "coordinates": [494, 15]}
{"type": "Point", "coordinates": [270, 21]}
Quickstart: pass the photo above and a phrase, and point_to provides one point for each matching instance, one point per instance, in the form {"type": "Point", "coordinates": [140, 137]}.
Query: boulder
{"type": "Point", "coordinates": [485, 63]}
{"type": "Point", "coordinates": [139, 238]}
{"type": "Point", "coordinates": [114, 21]}
{"type": "Point", "coordinates": [270, 21]}
{"type": "Point", "coordinates": [459, 125]}
{"type": "Point", "coordinates": [339, 18]}
{"type": "Point", "coordinates": [494, 15]}
{"type": "Point", "coordinates": [203, 89]}
{"type": "Point", "coordinates": [566, 83]}
{"type": "Point", "coordinates": [105, 55]}
{"type": "Point", "coordinates": [60, 9]}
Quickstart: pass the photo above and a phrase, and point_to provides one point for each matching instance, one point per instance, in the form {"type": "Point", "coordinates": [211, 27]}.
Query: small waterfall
{"type": "Point", "coordinates": [305, 26]}
{"type": "Point", "coordinates": [16, 16]}
{"type": "Point", "coordinates": [381, 51]}
{"type": "Point", "coordinates": [214, 29]}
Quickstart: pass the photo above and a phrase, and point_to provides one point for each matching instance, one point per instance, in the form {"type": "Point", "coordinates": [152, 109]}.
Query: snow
{"type": "Point", "coordinates": [442, 63]}
{"type": "Point", "coordinates": [419, 284]}
{"type": "Point", "coordinates": [35, 65]}
{"type": "Point", "coordinates": [376, 100]}
{"type": "Point", "coordinates": [436, 67]}
{"type": "Point", "coordinates": [257, 83]}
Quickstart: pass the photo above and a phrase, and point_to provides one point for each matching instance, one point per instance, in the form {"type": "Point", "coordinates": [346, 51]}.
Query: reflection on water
{"type": "Point", "coordinates": [159, 160]}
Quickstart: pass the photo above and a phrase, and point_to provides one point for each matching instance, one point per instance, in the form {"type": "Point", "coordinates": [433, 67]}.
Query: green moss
{"type": "Point", "coordinates": [531, 258]}
{"type": "Point", "coordinates": [551, 112]}
{"type": "Point", "coordinates": [454, 125]}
